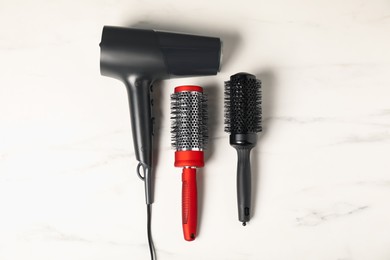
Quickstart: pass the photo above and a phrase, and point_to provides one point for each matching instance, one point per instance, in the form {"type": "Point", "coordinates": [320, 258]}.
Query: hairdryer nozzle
{"type": "Point", "coordinates": [190, 55]}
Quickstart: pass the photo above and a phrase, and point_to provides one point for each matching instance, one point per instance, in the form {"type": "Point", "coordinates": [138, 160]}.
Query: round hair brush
{"type": "Point", "coordinates": [243, 122]}
{"type": "Point", "coordinates": [189, 137]}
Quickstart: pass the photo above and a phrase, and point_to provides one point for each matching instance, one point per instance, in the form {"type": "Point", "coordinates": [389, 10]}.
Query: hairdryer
{"type": "Point", "coordinates": [140, 57]}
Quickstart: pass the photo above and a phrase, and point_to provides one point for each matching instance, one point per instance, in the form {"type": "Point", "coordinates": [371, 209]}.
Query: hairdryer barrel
{"type": "Point", "coordinates": [139, 58]}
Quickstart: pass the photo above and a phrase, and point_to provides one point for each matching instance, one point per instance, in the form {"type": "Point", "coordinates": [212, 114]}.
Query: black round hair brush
{"type": "Point", "coordinates": [243, 122]}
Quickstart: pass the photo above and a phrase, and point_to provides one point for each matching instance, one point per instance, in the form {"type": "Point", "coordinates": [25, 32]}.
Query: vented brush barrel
{"type": "Point", "coordinates": [243, 104]}
{"type": "Point", "coordinates": [189, 136]}
{"type": "Point", "coordinates": [189, 129]}
{"type": "Point", "coordinates": [243, 121]}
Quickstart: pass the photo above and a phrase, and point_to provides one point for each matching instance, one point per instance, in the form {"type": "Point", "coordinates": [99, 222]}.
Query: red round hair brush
{"type": "Point", "coordinates": [189, 137]}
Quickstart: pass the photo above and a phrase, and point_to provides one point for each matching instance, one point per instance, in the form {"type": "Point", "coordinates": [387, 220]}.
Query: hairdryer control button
{"type": "Point", "coordinates": [151, 88]}
{"type": "Point", "coordinates": [152, 101]}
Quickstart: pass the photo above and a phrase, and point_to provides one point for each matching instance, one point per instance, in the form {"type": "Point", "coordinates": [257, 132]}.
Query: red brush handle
{"type": "Point", "coordinates": [189, 203]}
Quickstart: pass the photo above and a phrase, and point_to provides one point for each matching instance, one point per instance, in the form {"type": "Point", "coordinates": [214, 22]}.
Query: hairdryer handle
{"type": "Point", "coordinates": [138, 91]}
{"type": "Point", "coordinates": [189, 203]}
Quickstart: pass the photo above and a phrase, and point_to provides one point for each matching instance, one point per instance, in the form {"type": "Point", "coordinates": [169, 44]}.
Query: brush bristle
{"type": "Point", "coordinates": [189, 120]}
{"type": "Point", "coordinates": [243, 104]}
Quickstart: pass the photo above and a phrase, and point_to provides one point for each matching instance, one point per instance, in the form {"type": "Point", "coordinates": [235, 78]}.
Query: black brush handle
{"type": "Point", "coordinates": [243, 144]}
{"type": "Point", "coordinates": [244, 184]}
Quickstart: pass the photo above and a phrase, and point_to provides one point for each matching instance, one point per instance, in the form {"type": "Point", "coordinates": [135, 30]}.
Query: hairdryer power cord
{"type": "Point", "coordinates": [150, 240]}
{"type": "Point", "coordinates": [149, 217]}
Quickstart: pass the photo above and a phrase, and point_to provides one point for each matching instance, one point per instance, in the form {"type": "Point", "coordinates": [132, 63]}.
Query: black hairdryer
{"type": "Point", "coordinates": [139, 58]}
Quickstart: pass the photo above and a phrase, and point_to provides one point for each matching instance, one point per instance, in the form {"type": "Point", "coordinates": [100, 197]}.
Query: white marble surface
{"type": "Point", "coordinates": [68, 188]}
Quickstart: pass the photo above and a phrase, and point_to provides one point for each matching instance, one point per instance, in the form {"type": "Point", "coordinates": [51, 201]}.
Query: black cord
{"type": "Point", "coordinates": [149, 228]}
{"type": "Point", "coordinates": [149, 217]}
